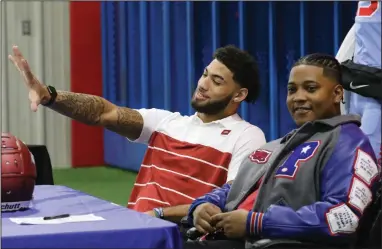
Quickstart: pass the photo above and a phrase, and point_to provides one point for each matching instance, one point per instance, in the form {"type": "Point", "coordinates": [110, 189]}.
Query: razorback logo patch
{"type": "Point", "coordinates": [260, 156]}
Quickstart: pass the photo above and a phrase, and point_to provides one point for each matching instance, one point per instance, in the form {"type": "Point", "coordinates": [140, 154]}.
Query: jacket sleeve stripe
{"type": "Point", "coordinates": [251, 223]}
{"type": "Point", "coordinates": [254, 223]}
{"type": "Point", "coordinates": [259, 223]}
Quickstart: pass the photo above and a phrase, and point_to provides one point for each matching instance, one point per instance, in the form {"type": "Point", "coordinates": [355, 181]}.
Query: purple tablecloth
{"type": "Point", "coordinates": [122, 228]}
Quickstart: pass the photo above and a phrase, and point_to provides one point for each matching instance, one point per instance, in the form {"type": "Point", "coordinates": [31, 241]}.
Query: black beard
{"type": "Point", "coordinates": [213, 107]}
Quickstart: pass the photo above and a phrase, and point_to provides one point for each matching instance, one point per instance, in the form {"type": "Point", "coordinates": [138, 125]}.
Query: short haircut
{"type": "Point", "coordinates": [244, 68]}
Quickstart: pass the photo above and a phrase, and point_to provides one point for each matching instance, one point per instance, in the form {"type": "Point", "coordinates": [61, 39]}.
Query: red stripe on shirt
{"type": "Point", "coordinates": [182, 165]}
{"type": "Point", "coordinates": [206, 153]}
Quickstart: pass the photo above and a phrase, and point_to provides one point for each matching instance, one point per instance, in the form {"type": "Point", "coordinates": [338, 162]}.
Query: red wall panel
{"type": "Point", "coordinates": [86, 77]}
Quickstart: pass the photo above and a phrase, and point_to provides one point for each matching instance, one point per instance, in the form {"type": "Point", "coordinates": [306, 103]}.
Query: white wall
{"type": "Point", "coordinates": [47, 50]}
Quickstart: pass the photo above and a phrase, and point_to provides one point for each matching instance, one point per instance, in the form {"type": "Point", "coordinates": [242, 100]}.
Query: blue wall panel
{"type": "Point", "coordinates": [154, 53]}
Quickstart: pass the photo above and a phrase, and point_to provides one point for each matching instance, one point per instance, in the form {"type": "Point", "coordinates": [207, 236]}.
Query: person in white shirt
{"type": "Point", "coordinates": [187, 156]}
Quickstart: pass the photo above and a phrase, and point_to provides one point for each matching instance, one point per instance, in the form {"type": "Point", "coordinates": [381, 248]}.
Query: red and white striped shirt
{"type": "Point", "coordinates": [187, 158]}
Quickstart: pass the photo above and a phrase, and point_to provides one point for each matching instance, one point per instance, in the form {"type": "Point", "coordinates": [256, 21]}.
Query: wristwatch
{"type": "Point", "coordinates": [53, 95]}
{"type": "Point", "coordinates": [159, 212]}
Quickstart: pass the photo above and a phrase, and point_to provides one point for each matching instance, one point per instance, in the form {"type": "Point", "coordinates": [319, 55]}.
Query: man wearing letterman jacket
{"type": "Point", "coordinates": [314, 184]}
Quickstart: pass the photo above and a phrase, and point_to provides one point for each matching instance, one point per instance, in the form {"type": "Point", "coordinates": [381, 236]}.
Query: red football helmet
{"type": "Point", "coordinates": [18, 174]}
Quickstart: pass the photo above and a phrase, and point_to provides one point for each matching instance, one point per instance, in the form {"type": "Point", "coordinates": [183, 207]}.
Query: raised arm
{"type": "Point", "coordinates": [85, 108]}
{"type": "Point", "coordinates": [95, 110]}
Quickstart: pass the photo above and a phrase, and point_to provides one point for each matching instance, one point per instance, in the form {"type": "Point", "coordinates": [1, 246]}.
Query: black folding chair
{"type": "Point", "coordinates": [43, 164]}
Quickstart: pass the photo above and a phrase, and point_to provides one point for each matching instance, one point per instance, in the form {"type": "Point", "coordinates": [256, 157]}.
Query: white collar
{"type": "Point", "coordinates": [224, 122]}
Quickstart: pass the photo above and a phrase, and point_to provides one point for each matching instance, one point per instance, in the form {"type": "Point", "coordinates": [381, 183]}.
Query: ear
{"type": "Point", "coordinates": [338, 93]}
{"type": "Point", "coordinates": [240, 95]}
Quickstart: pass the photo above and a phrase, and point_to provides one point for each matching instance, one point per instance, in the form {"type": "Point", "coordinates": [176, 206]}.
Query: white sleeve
{"type": "Point", "coordinates": [346, 52]}
{"type": "Point", "coordinates": [151, 119]}
{"type": "Point", "coordinates": [250, 140]}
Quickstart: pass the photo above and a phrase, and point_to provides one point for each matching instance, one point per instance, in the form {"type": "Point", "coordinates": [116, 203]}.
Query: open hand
{"type": "Point", "coordinates": [202, 217]}
{"type": "Point", "coordinates": [233, 223]}
{"type": "Point", "coordinates": [37, 92]}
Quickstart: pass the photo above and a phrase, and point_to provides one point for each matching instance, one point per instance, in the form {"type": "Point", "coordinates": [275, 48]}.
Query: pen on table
{"type": "Point", "coordinates": [57, 217]}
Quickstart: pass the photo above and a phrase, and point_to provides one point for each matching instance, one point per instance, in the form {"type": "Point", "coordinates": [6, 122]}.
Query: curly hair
{"type": "Point", "coordinates": [244, 68]}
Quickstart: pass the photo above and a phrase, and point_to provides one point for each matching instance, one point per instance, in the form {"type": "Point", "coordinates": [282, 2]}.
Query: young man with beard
{"type": "Point", "coordinates": [314, 184]}
{"type": "Point", "coordinates": [187, 156]}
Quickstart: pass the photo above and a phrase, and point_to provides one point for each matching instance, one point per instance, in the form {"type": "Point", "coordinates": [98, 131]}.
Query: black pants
{"type": "Point", "coordinates": [215, 244]}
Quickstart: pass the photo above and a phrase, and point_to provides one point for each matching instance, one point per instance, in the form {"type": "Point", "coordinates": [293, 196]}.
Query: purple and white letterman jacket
{"type": "Point", "coordinates": [317, 182]}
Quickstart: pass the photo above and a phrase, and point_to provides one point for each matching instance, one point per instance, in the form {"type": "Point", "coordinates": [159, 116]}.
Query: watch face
{"type": "Point", "coordinates": [53, 95]}
{"type": "Point", "coordinates": [51, 89]}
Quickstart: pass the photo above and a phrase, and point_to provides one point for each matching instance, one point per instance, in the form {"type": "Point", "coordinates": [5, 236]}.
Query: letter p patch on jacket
{"type": "Point", "coordinates": [301, 154]}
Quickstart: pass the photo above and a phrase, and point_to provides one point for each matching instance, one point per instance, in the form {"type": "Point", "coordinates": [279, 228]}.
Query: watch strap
{"type": "Point", "coordinates": [159, 212]}
{"type": "Point", "coordinates": [53, 95]}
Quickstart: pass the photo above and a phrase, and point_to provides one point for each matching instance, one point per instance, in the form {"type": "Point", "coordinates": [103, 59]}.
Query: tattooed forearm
{"type": "Point", "coordinates": [129, 123]}
{"type": "Point", "coordinates": [94, 110]}
{"type": "Point", "coordinates": [81, 107]}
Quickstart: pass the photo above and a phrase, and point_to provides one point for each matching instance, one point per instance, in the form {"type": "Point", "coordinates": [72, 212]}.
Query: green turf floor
{"type": "Point", "coordinates": [108, 183]}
